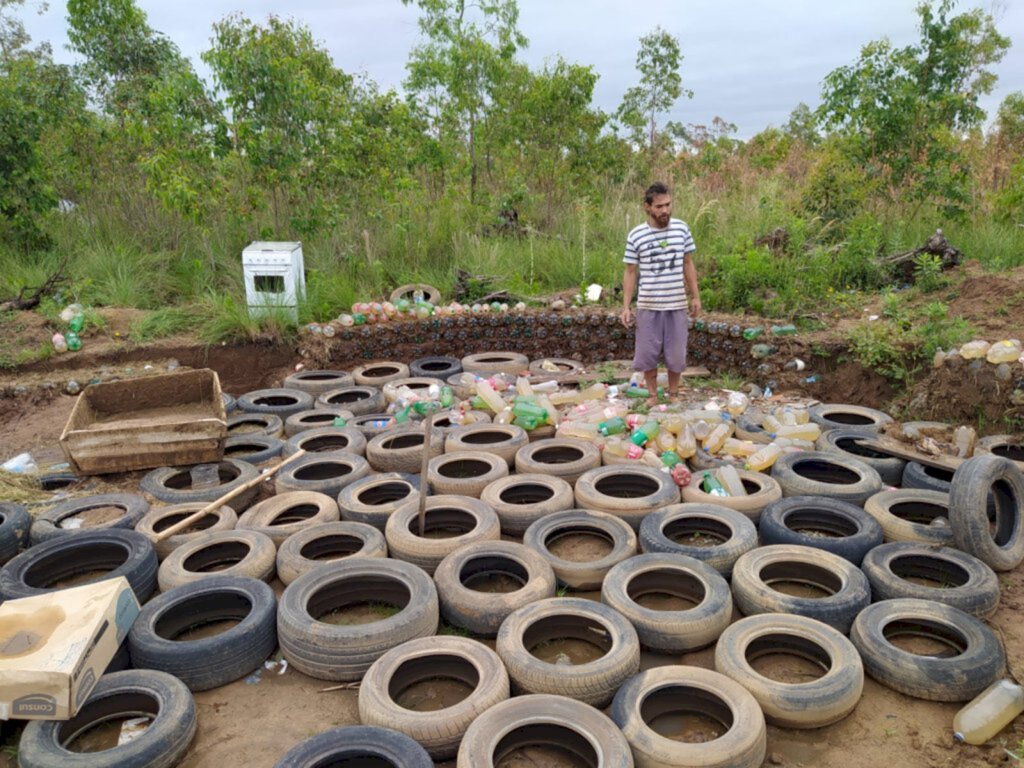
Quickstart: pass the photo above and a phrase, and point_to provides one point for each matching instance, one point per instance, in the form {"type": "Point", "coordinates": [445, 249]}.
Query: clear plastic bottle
{"type": "Point", "coordinates": [737, 403]}
{"type": "Point", "coordinates": [596, 391]}
{"type": "Point", "coordinates": [544, 402]}
{"type": "Point", "coordinates": [964, 439]}
{"type": "Point", "coordinates": [60, 344]}
{"type": "Point", "coordinates": [701, 429]}
{"type": "Point", "coordinates": [990, 711]}
{"type": "Point", "coordinates": [974, 349]}
{"type": "Point", "coordinates": [716, 438]}
{"type": "Point", "coordinates": [730, 480]}
{"type": "Point", "coordinates": [686, 443]}
{"type": "Point", "coordinates": [1006, 351]}
{"type": "Point", "coordinates": [742, 448]}
{"type": "Point", "coordinates": [673, 423]}
{"type": "Point", "coordinates": [770, 423]}
{"type": "Point", "coordinates": [764, 458]}
{"type": "Point", "coordinates": [489, 396]}
{"type": "Point", "coordinates": [580, 430]}
{"type": "Point", "coordinates": [666, 441]}
{"type": "Point", "coordinates": [523, 387]}
{"type": "Point", "coordinates": [799, 431]}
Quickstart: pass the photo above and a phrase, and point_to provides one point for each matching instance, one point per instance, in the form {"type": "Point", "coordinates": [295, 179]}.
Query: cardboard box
{"type": "Point", "coordinates": [168, 420]}
{"type": "Point", "coordinates": [54, 647]}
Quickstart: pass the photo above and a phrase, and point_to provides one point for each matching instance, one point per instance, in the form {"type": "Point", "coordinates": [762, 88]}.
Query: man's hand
{"type": "Point", "coordinates": [695, 308]}
{"type": "Point", "coordinates": [626, 316]}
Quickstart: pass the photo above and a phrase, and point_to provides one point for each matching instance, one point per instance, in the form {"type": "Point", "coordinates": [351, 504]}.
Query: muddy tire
{"type": "Point", "coordinates": [999, 545]}
{"type": "Point", "coordinates": [418, 384]}
{"type": "Point", "coordinates": [804, 704]}
{"type": "Point", "coordinates": [845, 586]}
{"type": "Point", "coordinates": [131, 508]}
{"type": "Point", "coordinates": [502, 440]}
{"type": "Point", "coordinates": [15, 523]}
{"type": "Point", "coordinates": [489, 363]}
{"type": "Point", "coordinates": [315, 418]}
{"type": "Point", "coordinates": [230, 403]}
{"type": "Point", "coordinates": [373, 499]}
{"type": "Point", "coordinates": [846, 442]}
{"type": "Point", "coordinates": [926, 478]}
{"type": "Point", "coordinates": [849, 417]}
{"type": "Point", "coordinates": [402, 450]}
{"type": "Point", "coordinates": [161, 518]}
{"type": "Point", "coordinates": [470, 519]}
{"type": "Point", "coordinates": [678, 630]}
{"type": "Point", "coordinates": [435, 367]}
{"type": "Point", "coordinates": [255, 423]}
{"type": "Point", "coordinates": [457, 658]}
{"type": "Point", "coordinates": [325, 439]}
{"type": "Point", "coordinates": [566, 367]}
{"type": "Point", "coordinates": [174, 485]}
{"type": "Point", "coordinates": [762, 490]}
{"type": "Point", "coordinates": [344, 652]}
{"type": "Point", "coordinates": [748, 427]}
{"type": "Point", "coordinates": [686, 690]}
{"type": "Point", "coordinates": [909, 515]}
{"type": "Point", "coordinates": [629, 493]}
{"type": "Point", "coordinates": [253, 449]}
{"type": "Point", "coordinates": [593, 682]}
{"type": "Point", "coordinates": [542, 720]}
{"type": "Point", "coordinates": [684, 529]}
{"type": "Point", "coordinates": [249, 553]}
{"type": "Point", "coordinates": [558, 457]}
{"type": "Point", "coordinates": [522, 499]}
{"type": "Point", "coordinates": [483, 612]}
{"type": "Point", "coordinates": [279, 402]}
{"type": "Point", "coordinates": [162, 744]}
{"type": "Point", "coordinates": [1005, 446]}
{"type": "Point", "coordinates": [409, 291]}
{"type": "Point", "coordinates": [357, 399]}
{"type": "Point", "coordinates": [316, 382]}
{"type": "Point", "coordinates": [949, 576]}
{"type": "Point", "coordinates": [115, 552]}
{"type": "Point", "coordinates": [288, 513]}
{"type": "Point", "coordinates": [581, 574]}
{"type": "Point", "coordinates": [208, 662]}
{"type": "Point", "coordinates": [325, 473]}
{"type": "Point", "coordinates": [465, 474]}
{"type": "Point", "coordinates": [379, 374]}
{"type": "Point", "coordinates": [329, 542]}
{"type": "Point", "coordinates": [972, 660]}
{"type": "Point", "coordinates": [703, 461]}
{"type": "Point", "coordinates": [835, 526]}
{"type": "Point", "coordinates": [354, 744]}
{"type": "Point", "coordinates": [373, 424]}
{"type": "Point", "coordinates": [445, 424]}
{"type": "Point", "coordinates": [817, 473]}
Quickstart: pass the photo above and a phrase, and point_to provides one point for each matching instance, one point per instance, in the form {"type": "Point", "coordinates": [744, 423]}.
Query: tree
{"type": "Point", "coordinates": [803, 125]}
{"type": "Point", "coordinates": [661, 85]}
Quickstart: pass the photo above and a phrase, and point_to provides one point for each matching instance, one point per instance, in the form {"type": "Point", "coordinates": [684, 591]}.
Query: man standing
{"type": "Point", "coordinates": [659, 255]}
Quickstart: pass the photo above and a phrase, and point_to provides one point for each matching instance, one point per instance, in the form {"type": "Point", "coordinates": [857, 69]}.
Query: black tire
{"type": "Point", "coordinates": [374, 498]}
{"type": "Point", "coordinates": [230, 403]}
{"type": "Point", "coordinates": [942, 574]}
{"type": "Point", "coordinates": [926, 478]}
{"type": "Point", "coordinates": [255, 423]}
{"type": "Point", "coordinates": [469, 520]}
{"type": "Point", "coordinates": [687, 529]}
{"type": "Point", "coordinates": [581, 574]}
{"type": "Point", "coordinates": [972, 657]}
{"type": "Point", "coordinates": [248, 553]}
{"type": "Point", "coordinates": [444, 421]}
{"type": "Point", "coordinates": [121, 694]}
{"type": "Point", "coordinates": [312, 547]}
{"type": "Point", "coordinates": [357, 399]}
{"type": "Point", "coordinates": [254, 449]}
{"type": "Point", "coordinates": [380, 373]}
{"type": "Point", "coordinates": [847, 442]}
{"type": "Point", "coordinates": [593, 682]}
{"type": "Point", "coordinates": [355, 744]}
{"type": "Point", "coordinates": [542, 720]}
{"type": "Point", "coordinates": [912, 514]}
{"type": "Point", "coordinates": [161, 518]}
{"type": "Point", "coordinates": [436, 367]}
{"type": "Point", "coordinates": [761, 490]}
{"type": "Point", "coordinates": [1005, 446]}
{"type": "Point", "coordinates": [15, 522]}
{"type": "Point", "coordinates": [483, 612]}
{"type": "Point", "coordinates": [325, 439]}
{"type": "Point", "coordinates": [849, 417]}
{"type": "Point", "coordinates": [315, 418]}
{"type": "Point", "coordinates": [208, 662]}
{"type": "Point", "coordinates": [173, 485]}
{"type": "Point", "coordinates": [629, 493]}
{"type": "Point", "coordinates": [285, 514]}
{"type": "Point", "coordinates": [409, 291]}
{"type": "Point", "coordinates": [488, 363]}
{"type": "Point", "coordinates": [316, 382]}
{"type": "Point", "coordinates": [327, 473]}
{"type": "Point", "coordinates": [500, 439]}
{"type": "Point", "coordinates": [520, 500]}
{"type": "Point", "coordinates": [279, 402]}
{"type": "Point", "coordinates": [817, 473]}
{"type": "Point", "coordinates": [58, 481]}
{"type": "Point", "coordinates": [337, 652]}
{"type": "Point", "coordinates": [453, 658]}
{"type": "Point", "coordinates": [374, 424]}
{"type": "Point", "coordinates": [804, 703]}
{"type": "Point", "coordinates": [681, 690]}
{"type": "Point", "coordinates": [115, 552]}
{"type": "Point", "coordinates": [402, 450]}
{"type": "Point", "coordinates": [835, 526]}
{"type": "Point", "coordinates": [748, 427]}
{"type": "Point", "coordinates": [677, 629]}
{"type": "Point", "coordinates": [845, 587]}
{"type": "Point", "coordinates": [999, 544]}
{"type": "Point", "coordinates": [48, 525]}
{"type": "Point", "coordinates": [558, 457]}
{"type": "Point", "coordinates": [465, 474]}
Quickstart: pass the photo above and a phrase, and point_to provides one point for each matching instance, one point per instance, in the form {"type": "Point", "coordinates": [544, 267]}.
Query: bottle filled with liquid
{"type": "Point", "coordinates": [991, 711]}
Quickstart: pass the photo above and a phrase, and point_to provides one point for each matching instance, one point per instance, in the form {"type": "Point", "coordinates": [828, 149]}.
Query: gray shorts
{"type": "Point", "coordinates": [661, 333]}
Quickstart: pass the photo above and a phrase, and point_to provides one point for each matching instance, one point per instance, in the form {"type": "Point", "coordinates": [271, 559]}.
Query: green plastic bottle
{"type": "Point", "coordinates": [644, 433]}
{"type": "Point", "coordinates": [403, 414]}
{"type": "Point", "coordinates": [447, 397]}
{"type": "Point", "coordinates": [752, 333]}
{"type": "Point", "coordinates": [710, 485]}
{"type": "Point", "coordinates": [74, 343]}
{"type": "Point", "coordinates": [784, 330]}
{"type": "Point", "coordinates": [670, 459]}
{"type": "Point", "coordinates": [529, 410]}
{"type": "Point", "coordinates": [637, 392]}
{"type": "Point", "coordinates": [613, 426]}
{"type": "Point", "coordinates": [339, 421]}
{"type": "Point", "coordinates": [526, 422]}
{"type": "Point", "coordinates": [77, 322]}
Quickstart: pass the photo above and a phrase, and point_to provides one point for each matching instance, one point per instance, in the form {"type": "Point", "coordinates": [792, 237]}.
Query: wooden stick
{"type": "Point", "coordinates": [428, 433]}
{"type": "Point", "coordinates": [213, 505]}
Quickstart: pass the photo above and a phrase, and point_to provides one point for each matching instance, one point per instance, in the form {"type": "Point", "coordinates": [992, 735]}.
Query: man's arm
{"type": "Point", "coordinates": [628, 290]}
{"type": "Point", "coordinates": [692, 289]}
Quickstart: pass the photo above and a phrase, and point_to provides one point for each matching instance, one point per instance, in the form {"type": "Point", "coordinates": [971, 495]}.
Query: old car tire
{"type": "Point", "coordinates": [356, 744]}
{"type": "Point", "coordinates": [160, 519]}
{"type": "Point", "coordinates": [286, 513]}
{"type": "Point", "coordinates": [374, 498]}
{"type": "Point", "coordinates": [357, 399]}
{"type": "Point", "coordinates": [279, 402]}
{"type": "Point", "coordinates": [542, 535]}
{"type": "Point", "coordinates": [326, 440]}
{"type": "Point", "coordinates": [174, 485]}
{"type": "Point", "coordinates": [255, 423]}
{"type": "Point", "coordinates": [436, 367]}
{"type": "Point", "coordinates": [499, 439]}
{"type": "Point", "coordinates": [761, 489]}
{"type": "Point", "coordinates": [316, 382]}
{"type": "Point", "coordinates": [489, 363]}
{"type": "Point", "coordinates": [558, 457]}
{"type": "Point", "coordinates": [14, 530]}
{"type": "Point", "coordinates": [522, 499]}
{"type": "Point", "coordinates": [328, 542]}
{"type": "Point", "coordinates": [317, 417]}
{"type": "Point", "coordinates": [847, 442]}
{"type": "Point", "coordinates": [249, 553]}
{"type": "Point", "coordinates": [409, 291]}
{"type": "Point", "coordinates": [912, 514]}
{"type": "Point", "coordinates": [465, 474]}
{"type": "Point", "coordinates": [470, 519]}
{"type": "Point", "coordinates": [629, 493]}
{"type": "Point", "coordinates": [253, 449]}
{"type": "Point", "coordinates": [835, 526]}
{"type": "Point", "coordinates": [683, 529]}
{"type": "Point", "coordinates": [999, 544]}
{"type": "Point", "coordinates": [380, 373]}
{"type": "Point", "coordinates": [327, 473]}
{"type": "Point", "coordinates": [402, 450]}
{"type": "Point", "coordinates": [850, 417]}
{"type": "Point", "coordinates": [817, 473]}
{"type": "Point", "coordinates": [48, 525]}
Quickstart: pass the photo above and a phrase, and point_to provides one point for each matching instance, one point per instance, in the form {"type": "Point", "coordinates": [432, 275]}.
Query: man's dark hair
{"type": "Point", "coordinates": [657, 188]}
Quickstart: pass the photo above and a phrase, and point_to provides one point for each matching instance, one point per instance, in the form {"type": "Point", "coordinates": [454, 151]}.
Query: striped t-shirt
{"type": "Point", "coordinates": [660, 254]}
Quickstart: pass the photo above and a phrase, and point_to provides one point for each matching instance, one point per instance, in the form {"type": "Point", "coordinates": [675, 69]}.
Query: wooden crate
{"type": "Point", "coordinates": [155, 421]}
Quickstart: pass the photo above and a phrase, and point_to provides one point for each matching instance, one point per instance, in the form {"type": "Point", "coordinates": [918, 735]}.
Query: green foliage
{"type": "Point", "coordinates": [161, 323]}
{"type": "Point", "coordinates": [224, 317]}
{"type": "Point", "coordinates": [658, 61]}
{"type": "Point", "coordinates": [928, 275]}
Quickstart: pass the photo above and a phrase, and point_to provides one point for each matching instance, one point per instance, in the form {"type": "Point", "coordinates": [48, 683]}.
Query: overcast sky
{"type": "Point", "coordinates": [747, 61]}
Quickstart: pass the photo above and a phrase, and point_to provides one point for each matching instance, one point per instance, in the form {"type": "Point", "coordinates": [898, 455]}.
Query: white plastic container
{"type": "Point", "coordinates": [275, 277]}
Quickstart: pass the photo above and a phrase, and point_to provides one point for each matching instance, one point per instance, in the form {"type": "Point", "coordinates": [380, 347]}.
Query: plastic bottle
{"type": "Point", "coordinates": [705, 415]}
{"type": "Point", "coordinates": [701, 429]}
{"type": "Point", "coordinates": [964, 439]}
{"type": "Point", "coordinates": [447, 396]}
{"type": "Point", "coordinates": [553, 417]}
{"type": "Point", "coordinates": [666, 441]}
{"type": "Point", "coordinates": [737, 404]}
{"type": "Point", "coordinates": [580, 430]}
{"type": "Point", "coordinates": [752, 333]}
{"type": "Point", "coordinates": [783, 330]}
{"type": "Point", "coordinates": [710, 485]}
{"type": "Point", "coordinates": [673, 423]}
{"type": "Point", "coordinates": [652, 460]}
{"type": "Point", "coordinates": [565, 397]}
{"type": "Point", "coordinates": [504, 416]}
{"type": "Point", "coordinates": [637, 392]}
{"type": "Point", "coordinates": [339, 421]}
{"type": "Point", "coordinates": [527, 410]}
{"type": "Point", "coordinates": [730, 480]}
{"type": "Point", "coordinates": [489, 396]}
{"type": "Point", "coordinates": [716, 438]}
{"type": "Point", "coordinates": [77, 322]}
{"type": "Point", "coordinates": [60, 344]}
{"type": "Point", "coordinates": [523, 386]}
{"type": "Point", "coordinates": [974, 349]}
{"type": "Point", "coordinates": [770, 423]}
{"type": "Point", "coordinates": [596, 391]}
{"type": "Point", "coordinates": [670, 459]}
{"type": "Point", "coordinates": [799, 431]}
{"type": "Point", "coordinates": [743, 448]}
{"type": "Point", "coordinates": [1006, 351]}
{"type": "Point", "coordinates": [623, 449]}
{"type": "Point", "coordinates": [686, 444]}
{"type": "Point", "coordinates": [529, 423]}
{"type": "Point", "coordinates": [643, 435]}
{"type": "Point", "coordinates": [786, 415]}
{"type": "Point", "coordinates": [74, 343]}
{"type": "Point", "coordinates": [614, 426]}
{"type": "Point", "coordinates": [989, 712]}
{"type": "Point", "coordinates": [793, 444]}
{"type": "Point", "coordinates": [763, 458]}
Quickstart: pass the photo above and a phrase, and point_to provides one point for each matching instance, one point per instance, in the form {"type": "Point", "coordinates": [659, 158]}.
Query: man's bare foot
{"type": "Point", "coordinates": [652, 401]}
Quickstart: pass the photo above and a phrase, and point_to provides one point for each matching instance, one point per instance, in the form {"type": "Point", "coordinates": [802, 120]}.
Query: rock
{"type": "Point", "coordinates": [753, 390]}
{"type": "Point", "coordinates": [775, 758]}
{"type": "Point", "coordinates": [72, 387]}
{"type": "Point", "coordinates": [20, 391]}
{"type": "Point", "coordinates": [1003, 372]}
{"type": "Point", "coordinates": [557, 305]}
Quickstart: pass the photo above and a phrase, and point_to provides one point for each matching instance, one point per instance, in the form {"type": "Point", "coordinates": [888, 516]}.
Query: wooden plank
{"type": "Point", "coordinates": [889, 445]}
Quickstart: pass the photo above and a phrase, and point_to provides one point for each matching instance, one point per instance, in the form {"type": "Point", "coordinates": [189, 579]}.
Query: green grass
{"type": "Point", "coordinates": [161, 323]}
